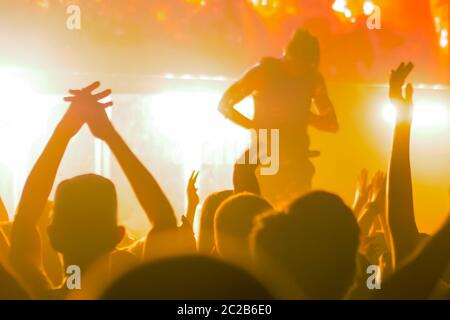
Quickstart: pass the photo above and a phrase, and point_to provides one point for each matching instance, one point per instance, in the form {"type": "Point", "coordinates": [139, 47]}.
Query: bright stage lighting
{"type": "Point", "coordinates": [368, 7]}
{"type": "Point", "coordinates": [196, 132]}
{"type": "Point", "coordinates": [427, 115]}
{"type": "Point", "coordinates": [340, 5]}
{"type": "Point", "coordinates": [443, 41]}
{"type": "Point", "coordinates": [193, 134]}
{"type": "Point", "coordinates": [23, 116]}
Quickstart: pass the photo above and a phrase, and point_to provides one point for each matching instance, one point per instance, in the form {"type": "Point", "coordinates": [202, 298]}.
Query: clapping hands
{"type": "Point", "coordinates": [87, 108]}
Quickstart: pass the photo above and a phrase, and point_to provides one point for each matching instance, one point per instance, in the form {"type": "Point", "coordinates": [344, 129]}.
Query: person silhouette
{"type": "Point", "coordinates": [283, 90]}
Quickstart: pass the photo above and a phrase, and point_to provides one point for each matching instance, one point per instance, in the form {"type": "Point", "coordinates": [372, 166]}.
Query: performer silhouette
{"type": "Point", "coordinates": [283, 90]}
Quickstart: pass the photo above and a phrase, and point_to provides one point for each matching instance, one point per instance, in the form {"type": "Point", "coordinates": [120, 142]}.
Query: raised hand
{"type": "Point", "coordinates": [86, 93]}
{"type": "Point", "coordinates": [377, 192]}
{"type": "Point", "coordinates": [375, 195]}
{"type": "Point", "coordinates": [26, 250]}
{"type": "Point", "coordinates": [99, 123]}
{"type": "Point", "coordinates": [402, 225]}
{"type": "Point", "coordinates": [402, 102]}
{"type": "Point", "coordinates": [81, 100]}
{"type": "Point", "coordinates": [147, 190]}
{"type": "Point", "coordinates": [362, 192]}
{"type": "Point", "coordinates": [192, 196]}
{"type": "Point", "coordinates": [92, 110]}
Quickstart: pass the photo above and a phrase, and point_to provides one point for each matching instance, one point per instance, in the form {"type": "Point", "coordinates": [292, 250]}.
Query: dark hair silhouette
{"type": "Point", "coordinates": [315, 243]}
{"type": "Point", "coordinates": [10, 289]}
{"type": "Point", "coordinates": [233, 223]}
{"type": "Point", "coordinates": [304, 47]}
{"type": "Point", "coordinates": [209, 208]}
{"type": "Point", "coordinates": [85, 217]}
{"type": "Point", "coordinates": [187, 278]}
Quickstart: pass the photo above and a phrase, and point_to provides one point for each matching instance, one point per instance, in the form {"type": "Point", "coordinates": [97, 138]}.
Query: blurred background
{"type": "Point", "coordinates": [169, 61]}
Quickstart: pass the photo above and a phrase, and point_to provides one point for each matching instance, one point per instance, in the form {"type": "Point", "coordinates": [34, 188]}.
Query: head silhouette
{"type": "Point", "coordinates": [314, 242]}
{"type": "Point", "coordinates": [187, 278]}
{"type": "Point", "coordinates": [84, 224]}
{"type": "Point", "coordinates": [233, 223]}
{"type": "Point", "coordinates": [304, 50]}
{"type": "Point", "coordinates": [209, 208]}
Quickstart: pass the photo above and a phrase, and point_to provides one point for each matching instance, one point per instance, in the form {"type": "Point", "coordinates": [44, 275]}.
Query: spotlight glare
{"type": "Point", "coordinates": [23, 120]}
{"type": "Point", "coordinates": [191, 122]}
{"type": "Point", "coordinates": [22, 116]}
{"type": "Point", "coordinates": [348, 13]}
{"type": "Point", "coordinates": [427, 115]}
{"type": "Point", "coordinates": [368, 7]}
{"type": "Point", "coordinates": [340, 5]}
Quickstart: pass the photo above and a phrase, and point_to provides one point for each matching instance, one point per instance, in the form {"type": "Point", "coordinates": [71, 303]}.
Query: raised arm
{"type": "Point", "coordinates": [375, 206]}
{"type": "Point", "coordinates": [400, 209]}
{"type": "Point", "coordinates": [244, 176]}
{"type": "Point", "coordinates": [325, 119]}
{"type": "Point", "coordinates": [236, 93]}
{"type": "Point", "coordinates": [192, 198]}
{"type": "Point", "coordinates": [26, 254]}
{"type": "Point", "coordinates": [361, 193]}
{"type": "Point", "coordinates": [417, 279]}
{"type": "Point", "coordinates": [147, 190]}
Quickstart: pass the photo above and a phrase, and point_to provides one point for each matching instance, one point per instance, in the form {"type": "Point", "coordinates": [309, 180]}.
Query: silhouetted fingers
{"type": "Point", "coordinates": [405, 70]}
{"type": "Point", "coordinates": [91, 87]}
{"type": "Point", "coordinates": [363, 175]}
{"type": "Point", "coordinates": [69, 99]}
{"type": "Point", "coordinates": [107, 104]}
{"type": "Point", "coordinates": [193, 178]}
{"type": "Point", "coordinates": [75, 92]}
{"type": "Point", "coordinates": [102, 94]}
{"type": "Point", "coordinates": [409, 94]}
{"type": "Point", "coordinates": [408, 68]}
{"type": "Point", "coordinates": [400, 67]}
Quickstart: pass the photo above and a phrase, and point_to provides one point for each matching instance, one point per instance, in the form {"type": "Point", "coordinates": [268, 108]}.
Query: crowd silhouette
{"type": "Point", "coordinates": [248, 247]}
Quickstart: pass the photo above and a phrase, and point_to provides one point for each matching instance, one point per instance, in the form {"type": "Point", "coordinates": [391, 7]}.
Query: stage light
{"type": "Point", "coordinates": [437, 22]}
{"type": "Point", "coordinates": [348, 13]}
{"type": "Point", "coordinates": [368, 7]}
{"type": "Point", "coordinates": [197, 2]}
{"type": "Point", "coordinates": [427, 115]}
{"type": "Point", "coordinates": [23, 118]}
{"type": "Point", "coordinates": [196, 133]}
{"type": "Point", "coordinates": [340, 6]}
{"type": "Point", "coordinates": [266, 7]}
{"type": "Point", "coordinates": [169, 76]}
{"type": "Point", "coordinates": [443, 42]}
{"type": "Point", "coordinates": [187, 77]}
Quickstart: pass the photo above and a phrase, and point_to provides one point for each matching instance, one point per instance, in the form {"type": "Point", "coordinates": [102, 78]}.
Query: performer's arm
{"type": "Point", "coordinates": [326, 119]}
{"type": "Point", "coordinates": [235, 94]}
